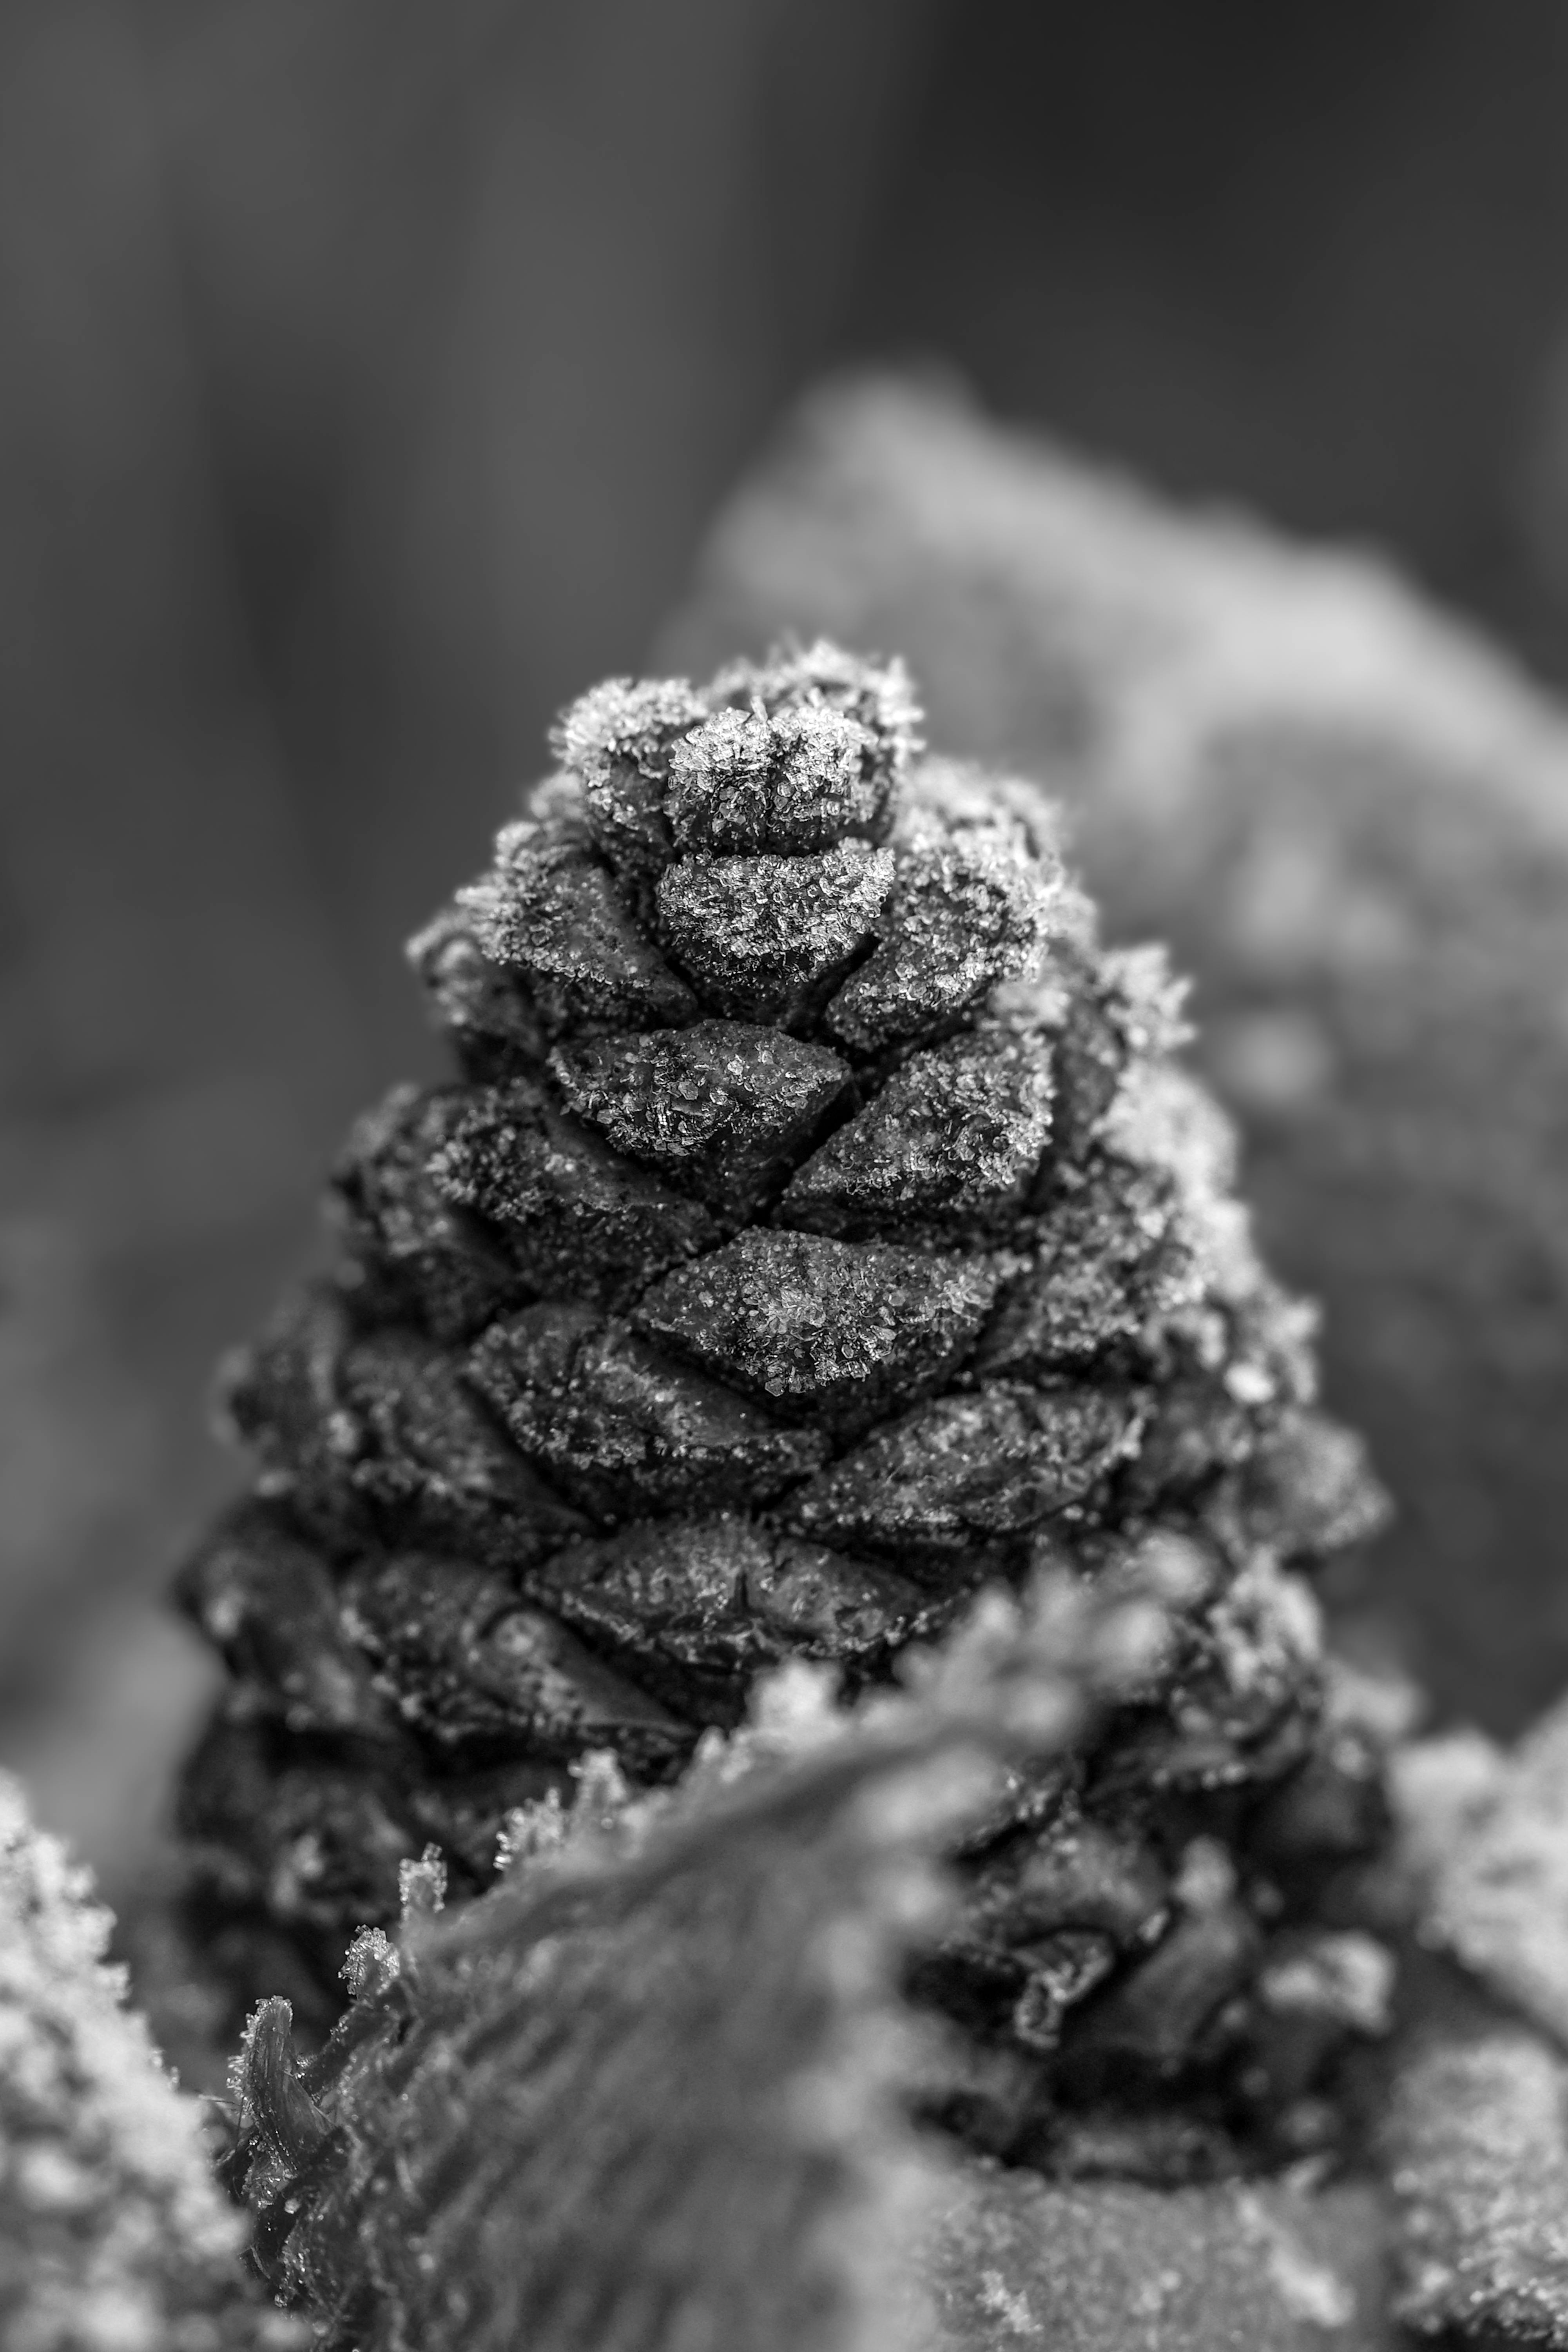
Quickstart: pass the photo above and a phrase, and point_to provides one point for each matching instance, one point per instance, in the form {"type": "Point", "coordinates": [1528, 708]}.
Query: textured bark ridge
{"type": "Point", "coordinates": [818, 1226]}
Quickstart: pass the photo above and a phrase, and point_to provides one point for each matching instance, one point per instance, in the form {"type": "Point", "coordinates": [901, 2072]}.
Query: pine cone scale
{"type": "Point", "coordinates": [551, 920]}
{"type": "Point", "coordinates": [559, 1202]}
{"type": "Point", "coordinates": [713, 1601]}
{"type": "Point", "coordinates": [621, 1428]}
{"type": "Point", "coordinates": [954, 1136]}
{"type": "Point", "coordinates": [768, 939]}
{"type": "Point", "coordinates": [725, 1108]}
{"type": "Point", "coordinates": [981, 1468]}
{"type": "Point", "coordinates": [812, 1325]}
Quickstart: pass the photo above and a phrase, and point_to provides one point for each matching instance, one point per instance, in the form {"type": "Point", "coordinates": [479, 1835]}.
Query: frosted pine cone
{"type": "Point", "coordinates": [819, 1227]}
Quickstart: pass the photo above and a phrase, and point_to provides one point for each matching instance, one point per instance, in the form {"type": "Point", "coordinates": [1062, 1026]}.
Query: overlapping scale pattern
{"type": "Point", "coordinates": [817, 1226]}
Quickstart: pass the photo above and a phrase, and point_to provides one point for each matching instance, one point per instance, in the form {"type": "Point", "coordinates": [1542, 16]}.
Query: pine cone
{"type": "Point", "coordinates": [819, 1227]}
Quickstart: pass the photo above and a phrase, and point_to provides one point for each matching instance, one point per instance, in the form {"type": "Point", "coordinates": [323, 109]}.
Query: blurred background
{"type": "Point", "coordinates": [369, 373]}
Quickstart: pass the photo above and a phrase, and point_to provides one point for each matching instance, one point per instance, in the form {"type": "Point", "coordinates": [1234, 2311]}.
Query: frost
{"type": "Point", "coordinates": [1480, 2170]}
{"type": "Point", "coordinates": [113, 2235]}
{"type": "Point", "coordinates": [818, 1226]}
{"type": "Point", "coordinates": [1500, 1895]}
